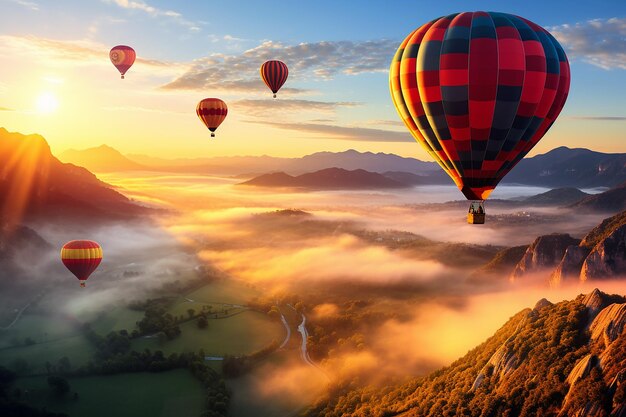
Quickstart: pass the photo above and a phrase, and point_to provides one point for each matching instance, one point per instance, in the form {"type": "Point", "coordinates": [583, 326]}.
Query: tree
{"type": "Point", "coordinates": [64, 365]}
{"type": "Point", "coordinates": [191, 312]}
{"type": "Point", "coordinates": [202, 322]}
{"type": "Point", "coordinates": [59, 385]}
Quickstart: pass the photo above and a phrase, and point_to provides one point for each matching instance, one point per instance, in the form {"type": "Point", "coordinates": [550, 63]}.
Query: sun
{"type": "Point", "coordinates": [47, 103]}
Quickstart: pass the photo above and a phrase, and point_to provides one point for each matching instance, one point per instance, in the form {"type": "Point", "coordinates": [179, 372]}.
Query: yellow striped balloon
{"type": "Point", "coordinates": [81, 257]}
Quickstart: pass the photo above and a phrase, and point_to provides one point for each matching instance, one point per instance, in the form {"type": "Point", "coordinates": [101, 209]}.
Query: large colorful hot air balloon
{"type": "Point", "coordinates": [81, 257]}
{"type": "Point", "coordinates": [212, 112]}
{"type": "Point", "coordinates": [274, 74]}
{"type": "Point", "coordinates": [478, 90]}
{"type": "Point", "coordinates": [122, 57]}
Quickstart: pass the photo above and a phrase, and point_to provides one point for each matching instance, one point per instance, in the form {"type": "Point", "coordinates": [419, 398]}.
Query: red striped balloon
{"type": "Point", "coordinates": [122, 57]}
{"type": "Point", "coordinates": [274, 74]}
{"type": "Point", "coordinates": [478, 90]}
{"type": "Point", "coordinates": [212, 112]}
{"type": "Point", "coordinates": [81, 257]}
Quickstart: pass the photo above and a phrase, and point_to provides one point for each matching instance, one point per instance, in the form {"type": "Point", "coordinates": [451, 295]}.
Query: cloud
{"type": "Point", "coordinates": [267, 106]}
{"type": "Point", "coordinates": [342, 258]}
{"type": "Point", "coordinates": [317, 60]}
{"type": "Point", "coordinates": [80, 51]}
{"type": "Point", "coordinates": [155, 12]}
{"type": "Point", "coordinates": [140, 109]}
{"type": "Point", "coordinates": [6, 109]}
{"type": "Point", "coordinates": [28, 4]}
{"type": "Point", "coordinates": [362, 134]}
{"type": "Point", "coordinates": [599, 42]}
{"type": "Point", "coordinates": [606, 118]}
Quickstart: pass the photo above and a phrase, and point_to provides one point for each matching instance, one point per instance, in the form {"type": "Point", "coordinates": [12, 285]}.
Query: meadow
{"type": "Point", "coordinates": [167, 394]}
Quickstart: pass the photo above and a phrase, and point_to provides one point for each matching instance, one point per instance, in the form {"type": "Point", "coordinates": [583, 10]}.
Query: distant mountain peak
{"type": "Point", "coordinates": [47, 194]}
{"type": "Point", "coordinates": [103, 158]}
{"type": "Point", "coordinates": [327, 178]}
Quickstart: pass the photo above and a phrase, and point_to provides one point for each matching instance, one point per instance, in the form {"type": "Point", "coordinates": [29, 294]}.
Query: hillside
{"type": "Point", "coordinates": [562, 359]}
{"type": "Point", "coordinates": [34, 185]}
{"type": "Point", "coordinates": [557, 197]}
{"type": "Point", "coordinates": [565, 167]}
{"type": "Point", "coordinates": [612, 200]}
{"type": "Point", "coordinates": [100, 159]}
{"type": "Point", "coordinates": [331, 178]}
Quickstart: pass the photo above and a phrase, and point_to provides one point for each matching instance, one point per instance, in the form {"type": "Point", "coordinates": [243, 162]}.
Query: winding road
{"type": "Point", "coordinates": [284, 320]}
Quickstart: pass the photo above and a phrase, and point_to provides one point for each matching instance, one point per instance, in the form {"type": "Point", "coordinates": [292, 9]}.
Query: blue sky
{"type": "Point", "coordinates": [338, 100]}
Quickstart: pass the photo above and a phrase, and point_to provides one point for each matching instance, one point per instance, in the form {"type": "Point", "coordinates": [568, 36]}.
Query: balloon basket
{"type": "Point", "coordinates": [274, 95]}
{"type": "Point", "coordinates": [212, 134]}
{"type": "Point", "coordinates": [476, 213]}
{"type": "Point", "coordinates": [122, 77]}
{"type": "Point", "coordinates": [82, 284]}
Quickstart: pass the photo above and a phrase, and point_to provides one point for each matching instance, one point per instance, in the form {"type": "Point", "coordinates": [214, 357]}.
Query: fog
{"type": "Point", "coordinates": [320, 257]}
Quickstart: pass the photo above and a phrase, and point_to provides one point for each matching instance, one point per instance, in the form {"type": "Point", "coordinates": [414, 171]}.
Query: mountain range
{"type": "Point", "coordinates": [560, 167]}
{"type": "Point", "coordinates": [330, 178]}
{"type": "Point", "coordinates": [35, 185]}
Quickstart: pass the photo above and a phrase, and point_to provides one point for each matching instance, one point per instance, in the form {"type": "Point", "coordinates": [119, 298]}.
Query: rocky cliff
{"type": "Point", "coordinates": [543, 254]}
{"type": "Point", "coordinates": [547, 361]}
{"type": "Point", "coordinates": [601, 254]}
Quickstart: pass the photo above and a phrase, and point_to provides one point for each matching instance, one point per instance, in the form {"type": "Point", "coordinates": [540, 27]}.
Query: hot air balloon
{"type": "Point", "coordinates": [122, 57]}
{"type": "Point", "coordinates": [81, 257]}
{"type": "Point", "coordinates": [478, 90]}
{"type": "Point", "coordinates": [212, 112]}
{"type": "Point", "coordinates": [274, 74]}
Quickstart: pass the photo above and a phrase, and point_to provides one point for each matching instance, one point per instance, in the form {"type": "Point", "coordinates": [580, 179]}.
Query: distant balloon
{"type": "Point", "coordinates": [81, 257]}
{"type": "Point", "coordinates": [122, 57]}
{"type": "Point", "coordinates": [274, 74]}
{"type": "Point", "coordinates": [212, 112]}
{"type": "Point", "coordinates": [478, 90]}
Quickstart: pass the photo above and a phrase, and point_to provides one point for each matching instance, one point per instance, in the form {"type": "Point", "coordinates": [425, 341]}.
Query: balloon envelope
{"type": "Point", "coordinates": [122, 57]}
{"type": "Point", "coordinates": [212, 112]}
{"type": "Point", "coordinates": [81, 257]}
{"type": "Point", "coordinates": [274, 74]}
{"type": "Point", "coordinates": [478, 90]}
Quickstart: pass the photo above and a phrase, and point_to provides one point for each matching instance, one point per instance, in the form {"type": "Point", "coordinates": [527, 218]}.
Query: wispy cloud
{"type": "Point", "coordinates": [321, 60]}
{"type": "Point", "coordinates": [156, 12]}
{"type": "Point", "coordinates": [28, 4]}
{"type": "Point", "coordinates": [361, 134]}
{"type": "Point", "coordinates": [268, 106]}
{"type": "Point", "coordinates": [606, 118]}
{"type": "Point", "coordinates": [141, 109]}
{"type": "Point", "coordinates": [599, 42]}
{"type": "Point", "coordinates": [81, 51]}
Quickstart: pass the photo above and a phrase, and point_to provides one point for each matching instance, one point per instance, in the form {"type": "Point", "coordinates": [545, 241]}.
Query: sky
{"type": "Point", "coordinates": [56, 78]}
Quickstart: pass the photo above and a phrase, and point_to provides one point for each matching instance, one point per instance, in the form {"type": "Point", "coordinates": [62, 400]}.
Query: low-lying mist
{"type": "Point", "coordinates": [432, 312]}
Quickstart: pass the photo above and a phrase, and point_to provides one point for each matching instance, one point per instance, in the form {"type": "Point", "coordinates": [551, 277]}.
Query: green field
{"type": "Point", "coordinates": [39, 328]}
{"type": "Point", "coordinates": [225, 291]}
{"type": "Point", "coordinates": [76, 348]}
{"type": "Point", "coordinates": [241, 334]}
{"type": "Point", "coordinates": [115, 320]}
{"type": "Point", "coordinates": [54, 336]}
{"type": "Point", "coordinates": [168, 394]}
